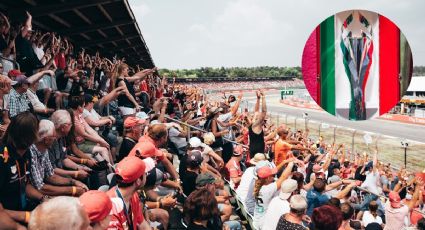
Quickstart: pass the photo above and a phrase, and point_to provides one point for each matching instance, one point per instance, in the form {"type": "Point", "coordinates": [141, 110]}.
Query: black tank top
{"type": "Point", "coordinates": [123, 99]}
{"type": "Point", "coordinates": [256, 142]}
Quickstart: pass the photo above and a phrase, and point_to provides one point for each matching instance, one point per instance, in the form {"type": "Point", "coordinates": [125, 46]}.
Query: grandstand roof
{"type": "Point", "coordinates": [108, 26]}
{"type": "Point", "coordinates": [417, 84]}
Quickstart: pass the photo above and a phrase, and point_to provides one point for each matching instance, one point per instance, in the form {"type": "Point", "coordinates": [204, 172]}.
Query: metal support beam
{"type": "Point", "coordinates": [66, 6]}
{"type": "Point", "coordinates": [60, 20]}
{"type": "Point", "coordinates": [105, 40]}
{"type": "Point", "coordinates": [84, 29]}
{"type": "Point", "coordinates": [82, 16]}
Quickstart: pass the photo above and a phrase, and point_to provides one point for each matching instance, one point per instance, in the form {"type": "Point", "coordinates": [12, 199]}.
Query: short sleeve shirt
{"type": "Point", "coordinates": [234, 169]}
{"type": "Point", "coordinates": [41, 168]}
{"type": "Point", "coordinates": [395, 216]}
{"type": "Point", "coordinates": [119, 221]}
{"type": "Point", "coordinates": [266, 194]}
{"type": "Point", "coordinates": [14, 171]}
{"type": "Point", "coordinates": [283, 224]}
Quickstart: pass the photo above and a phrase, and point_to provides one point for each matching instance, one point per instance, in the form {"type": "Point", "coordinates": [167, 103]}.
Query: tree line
{"type": "Point", "coordinates": [234, 72]}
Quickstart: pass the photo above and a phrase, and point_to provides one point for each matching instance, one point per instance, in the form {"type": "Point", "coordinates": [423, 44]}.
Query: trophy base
{"type": "Point", "coordinates": [345, 113]}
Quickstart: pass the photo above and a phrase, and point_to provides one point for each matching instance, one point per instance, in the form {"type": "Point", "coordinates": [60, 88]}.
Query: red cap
{"type": "Point", "coordinates": [266, 171]}
{"type": "Point", "coordinates": [145, 149]}
{"type": "Point", "coordinates": [395, 199]}
{"type": "Point", "coordinates": [98, 205]}
{"type": "Point", "coordinates": [133, 121]}
{"type": "Point", "coordinates": [130, 169]}
{"type": "Point", "coordinates": [14, 73]}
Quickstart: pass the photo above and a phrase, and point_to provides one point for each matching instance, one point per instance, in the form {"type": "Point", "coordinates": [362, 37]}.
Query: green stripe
{"type": "Point", "coordinates": [327, 65]}
{"type": "Point", "coordinates": [345, 54]}
{"type": "Point", "coordinates": [405, 63]}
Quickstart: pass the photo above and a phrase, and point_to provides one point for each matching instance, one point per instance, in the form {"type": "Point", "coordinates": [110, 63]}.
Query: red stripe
{"type": "Point", "coordinates": [389, 64]}
{"type": "Point", "coordinates": [318, 64]}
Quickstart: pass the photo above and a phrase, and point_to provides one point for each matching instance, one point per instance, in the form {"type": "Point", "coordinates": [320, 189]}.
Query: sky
{"type": "Point", "coordinates": [184, 34]}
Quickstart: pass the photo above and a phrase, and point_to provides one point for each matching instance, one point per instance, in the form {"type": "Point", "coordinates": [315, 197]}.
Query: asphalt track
{"type": "Point", "coordinates": [383, 127]}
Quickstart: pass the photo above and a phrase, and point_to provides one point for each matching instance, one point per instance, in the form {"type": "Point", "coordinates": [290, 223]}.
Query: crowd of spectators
{"type": "Point", "coordinates": [92, 143]}
{"type": "Point", "coordinates": [246, 85]}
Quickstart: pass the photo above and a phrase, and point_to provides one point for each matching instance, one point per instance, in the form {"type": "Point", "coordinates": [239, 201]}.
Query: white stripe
{"type": "Point", "coordinates": [342, 84]}
{"type": "Point", "coordinates": [372, 86]}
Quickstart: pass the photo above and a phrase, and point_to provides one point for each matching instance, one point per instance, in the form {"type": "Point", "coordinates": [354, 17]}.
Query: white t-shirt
{"type": "Point", "coordinates": [245, 190]}
{"type": "Point", "coordinates": [35, 102]}
{"type": "Point", "coordinates": [225, 118]}
{"type": "Point", "coordinates": [266, 194]}
{"type": "Point", "coordinates": [38, 51]}
{"type": "Point", "coordinates": [276, 209]}
{"type": "Point", "coordinates": [371, 181]}
{"type": "Point", "coordinates": [174, 137]}
{"type": "Point", "coordinates": [368, 218]}
{"type": "Point", "coordinates": [91, 114]}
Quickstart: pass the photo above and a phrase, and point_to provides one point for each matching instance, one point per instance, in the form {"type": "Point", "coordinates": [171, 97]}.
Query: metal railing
{"type": "Point", "coordinates": [190, 127]}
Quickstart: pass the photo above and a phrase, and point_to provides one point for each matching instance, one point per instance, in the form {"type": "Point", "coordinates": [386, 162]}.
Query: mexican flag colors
{"type": "Point", "coordinates": [357, 64]}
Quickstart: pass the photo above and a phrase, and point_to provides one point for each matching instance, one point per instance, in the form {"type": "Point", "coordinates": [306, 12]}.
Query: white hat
{"type": "Point", "coordinates": [298, 202]}
{"type": "Point", "coordinates": [195, 142]}
{"type": "Point", "coordinates": [288, 186]}
{"type": "Point", "coordinates": [142, 115]}
{"type": "Point", "coordinates": [257, 158]}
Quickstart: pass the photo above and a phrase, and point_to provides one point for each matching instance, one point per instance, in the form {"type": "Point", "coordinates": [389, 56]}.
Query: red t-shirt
{"type": "Point", "coordinates": [143, 86]}
{"type": "Point", "coordinates": [60, 61]}
{"type": "Point", "coordinates": [234, 169]}
{"type": "Point", "coordinates": [119, 221]}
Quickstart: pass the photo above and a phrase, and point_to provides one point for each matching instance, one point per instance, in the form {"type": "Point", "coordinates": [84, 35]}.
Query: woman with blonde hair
{"type": "Point", "coordinates": [265, 188]}
{"type": "Point", "coordinates": [127, 102]}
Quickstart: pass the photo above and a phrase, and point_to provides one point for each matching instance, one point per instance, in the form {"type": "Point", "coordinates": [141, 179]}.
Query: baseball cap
{"type": "Point", "coordinates": [257, 158]}
{"type": "Point", "coordinates": [98, 205]}
{"type": "Point", "coordinates": [195, 142]}
{"type": "Point", "coordinates": [214, 110]}
{"type": "Point", "coordinates": [145, 149]}
{"type": "Point", "coordinates": [194, 158]}
{"type": "Point", "coordinates": [265, 172]}
{"type": "Point", "coordinates": [89, 98]}
{"type": "Point", "coordinates": [130, 169]}
{"type": "Point", "coordinates": [14, 73]}
{"type": "Point", "coordinates": [287, 187]}
{"type": "Point", "coordinates": [133, 121]}
{"type": "Point", "coordinates": [394, 199]}
{"type": "Point", "coordinates": [298, 202]}
{"type": "Point", "coordinates": [142, 115]}
{"type": "Point", "coordinates": [204, 179]}
{"type": "Point", "coordinates": [19, 80]}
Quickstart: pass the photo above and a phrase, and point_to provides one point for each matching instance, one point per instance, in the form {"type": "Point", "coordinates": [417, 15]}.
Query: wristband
{"type": "Point", "coordinates": [74, 190]}
{"type": "Point", "coordinates": [27, 217]}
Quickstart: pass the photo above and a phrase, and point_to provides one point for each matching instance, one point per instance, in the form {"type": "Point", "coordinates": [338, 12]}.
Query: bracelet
{"type": "Point", "coordinates": [74, 190]}
{"type": "Point", "coordinates": [27, 217]}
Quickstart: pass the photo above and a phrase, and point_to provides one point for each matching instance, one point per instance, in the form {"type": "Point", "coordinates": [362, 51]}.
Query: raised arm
{"type": "Point", "coordinates": [27, 26]}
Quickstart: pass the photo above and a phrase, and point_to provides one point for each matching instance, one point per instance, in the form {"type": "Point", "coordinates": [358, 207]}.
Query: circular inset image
{"type": "Point", "coordinates": [357, 64]}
